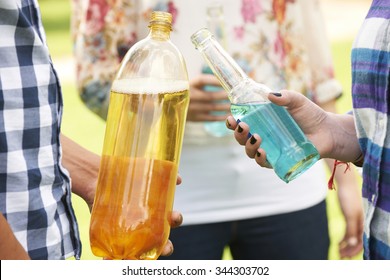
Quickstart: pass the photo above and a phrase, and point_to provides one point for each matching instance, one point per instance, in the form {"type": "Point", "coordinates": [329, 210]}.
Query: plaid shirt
{"type": "Point", "coordinates": [371, 93]}
{"type": "Point", "coordinates": [35, 193]}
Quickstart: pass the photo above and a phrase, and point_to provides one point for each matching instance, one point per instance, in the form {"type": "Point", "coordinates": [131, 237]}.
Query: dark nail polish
{"type": "Point", "coordinates": [253, 140]}
{"type": "Point", "coordinates": [228, 123]}
{"type": "Point", "coordinates": [258, 154]}
{"type": "Point", "coordinates": [277, 94]}
{"type": "Point", "coordinates": [240, 129]}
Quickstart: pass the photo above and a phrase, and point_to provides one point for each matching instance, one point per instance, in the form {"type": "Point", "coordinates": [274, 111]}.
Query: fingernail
{"type": "Point", "coordinates": [258, 154]}
{"type": "Point", "coordinates": [277, 94]}
{"type": "Point", "coordinates": [253, 140]}
{"type": "Point", "coordinates": [180, 220]}
{"type": "Point", "coordinates": [240, 129]}
{"type": "Point", "coordinates": [228, 123]}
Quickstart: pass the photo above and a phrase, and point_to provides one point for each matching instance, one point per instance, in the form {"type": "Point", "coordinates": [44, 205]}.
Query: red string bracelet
{"type": "Point", "coordinates": [331, 179]}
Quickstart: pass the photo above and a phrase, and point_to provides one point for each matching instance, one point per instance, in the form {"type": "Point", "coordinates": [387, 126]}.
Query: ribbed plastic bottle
{"type": "Point", "coordinates": [288, 150]}
{"type": "Point", "coordinates": [144, 132]}
{"type": "Point", "coordinates": [216, 24]}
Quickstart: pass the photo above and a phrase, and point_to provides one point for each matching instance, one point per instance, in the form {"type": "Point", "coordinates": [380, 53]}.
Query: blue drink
{"type": "Point", "coordinates": [288, 150]}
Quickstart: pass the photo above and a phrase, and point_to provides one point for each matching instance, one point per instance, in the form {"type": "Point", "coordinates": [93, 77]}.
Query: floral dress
{"type": "Point", "coordinates": [285, 42]}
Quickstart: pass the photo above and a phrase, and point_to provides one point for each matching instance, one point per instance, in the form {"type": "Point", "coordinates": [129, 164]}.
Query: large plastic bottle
{"type": "Point", "coordinates": [145, 125]}
{"type": "Point", "coordinates": [288, 150]}
{"type": "Point", "coordinates": [216, 24]}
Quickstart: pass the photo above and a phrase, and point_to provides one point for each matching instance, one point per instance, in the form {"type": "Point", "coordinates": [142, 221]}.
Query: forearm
{"type": "Point", "coordinates": [83, 167]}
{"type": "Point", "coordinates": [10, 248]}
{"type": "Point", "coordinates": [344, 138]}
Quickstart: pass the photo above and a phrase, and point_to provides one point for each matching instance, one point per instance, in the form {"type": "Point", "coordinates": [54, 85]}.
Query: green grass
{"type": "Point", "coordinates": [88, 130]}
{"type": "Point", "coordinates": [56, 20]}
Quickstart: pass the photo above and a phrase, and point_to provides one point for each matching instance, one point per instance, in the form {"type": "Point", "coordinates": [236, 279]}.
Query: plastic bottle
{"type": "Point", "coordinates": [145, 125]}
{"type": "Point", "coordinates": [216, 24]}
{"type": "Point", "coordinates": [288, 150]}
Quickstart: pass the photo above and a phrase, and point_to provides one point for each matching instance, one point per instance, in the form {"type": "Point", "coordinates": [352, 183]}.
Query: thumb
{"type": "Point", "coordinates": [288, 98]}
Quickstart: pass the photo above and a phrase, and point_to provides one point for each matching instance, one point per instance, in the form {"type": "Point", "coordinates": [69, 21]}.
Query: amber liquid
{"type": "Point", "coordinates": [138, 173]}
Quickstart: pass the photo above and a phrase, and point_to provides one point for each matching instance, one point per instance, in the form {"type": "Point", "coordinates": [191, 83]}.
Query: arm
{"type": "Point", "coordinates": [10, 248]}
{"type": "Point", "coordinates": [349, 196]}
{"type": "Point", "coordinates": [83, 167]}
{"type": "Point", "coordinates": [325, 91]}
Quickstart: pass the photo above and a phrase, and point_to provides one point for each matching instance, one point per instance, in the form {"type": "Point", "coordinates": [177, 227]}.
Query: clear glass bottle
{"type": "Point", "coordinates": [288, 150]}
{"type": "Point", "coordinates": [216, 24]}
{"type": "Point", "coordinates": [144, 132]}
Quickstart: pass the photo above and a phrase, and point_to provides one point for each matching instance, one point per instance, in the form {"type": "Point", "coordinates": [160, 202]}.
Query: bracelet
{"type": "Point", "coordinates": [331, 179]}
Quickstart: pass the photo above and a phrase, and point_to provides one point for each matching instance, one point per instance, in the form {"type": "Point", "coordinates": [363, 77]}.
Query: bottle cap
{"type": "Point", "coordinates": [161, 18]}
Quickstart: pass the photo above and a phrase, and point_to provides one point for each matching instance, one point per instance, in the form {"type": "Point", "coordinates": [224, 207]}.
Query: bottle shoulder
{"type": "Point", "coordinates": [249, 91]}
{"type": "Point", "coordinates": [158, 58]}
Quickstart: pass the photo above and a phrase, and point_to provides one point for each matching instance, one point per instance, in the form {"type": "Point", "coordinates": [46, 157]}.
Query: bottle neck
{"type": "Point", "coordinates": [223, 66]}
{"type": "Point", "coordinates": [160, 31]}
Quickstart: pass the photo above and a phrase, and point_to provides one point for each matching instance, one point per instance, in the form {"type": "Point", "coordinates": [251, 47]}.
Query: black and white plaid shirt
{"type": "Point", "coordinates": [34, 187]}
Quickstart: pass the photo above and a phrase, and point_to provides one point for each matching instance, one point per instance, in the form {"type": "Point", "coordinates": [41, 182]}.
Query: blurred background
{"type": "Point", "coordinates": [88, 130]}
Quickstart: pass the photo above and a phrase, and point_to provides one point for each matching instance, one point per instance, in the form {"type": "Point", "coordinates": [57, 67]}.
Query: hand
{"type": "Point", "coordinates": [351, 206]}
{"type": "Point", "coordinates": [333, 135]}
{"type": "Point", "coordinates": [202, 103]}
{"type": "Point", "coordinates": [176, 221]}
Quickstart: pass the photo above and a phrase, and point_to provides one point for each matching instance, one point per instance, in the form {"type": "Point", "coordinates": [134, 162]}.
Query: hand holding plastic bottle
{"type": "Point", "coordinates": [333, 135]}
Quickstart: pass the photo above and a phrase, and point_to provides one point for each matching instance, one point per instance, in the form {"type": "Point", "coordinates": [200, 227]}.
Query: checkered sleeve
{"type": "Point", "coordinates": [34, 187]}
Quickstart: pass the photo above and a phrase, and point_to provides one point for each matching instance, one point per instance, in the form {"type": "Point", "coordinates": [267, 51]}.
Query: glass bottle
{"type": "Point", "coordinates": [144, 132]}
{"type": "Point", "coordinates": [288, 150]}
{"type": "Point", "coordinates": [216, 24]}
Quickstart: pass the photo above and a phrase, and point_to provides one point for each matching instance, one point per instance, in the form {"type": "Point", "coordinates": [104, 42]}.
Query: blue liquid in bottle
{"type": "Point", "coordinates": [288, 150]}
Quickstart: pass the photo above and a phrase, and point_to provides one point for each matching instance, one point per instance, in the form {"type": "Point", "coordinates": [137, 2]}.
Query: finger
{"type": "Point", "coordinates": [241, 133]}
{"type": "Point", "coordinates": [261, 158]}
{"type": "Point", "coordinates": [219, 106]}
{"type": "Point", "coordinates": [168, 249]}
{"type": "Point", "coordinates": [231, 123]}
{"type": "Point", "coordinates": [178, 180]}
{"type": "Point", "coordinates": [204, 80]}
{"type": "Point", "coordinates": [176, 219]}
{"type": "Point", "coordinates": [252, 144]}
{"type": "Point", "coordinates": [219, 95]}
{"type": "Point", "coordinates": [288, 98]}
{"type": "Point", "coordinates": [208, 107]}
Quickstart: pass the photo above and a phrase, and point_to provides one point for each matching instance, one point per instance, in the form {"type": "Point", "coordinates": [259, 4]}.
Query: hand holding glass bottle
{"type": "Point", "coordinates": [290, 153]}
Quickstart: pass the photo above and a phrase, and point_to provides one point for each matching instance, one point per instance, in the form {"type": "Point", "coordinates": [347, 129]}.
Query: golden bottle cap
{"type": "Point", "coordinates": [161, 18]}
